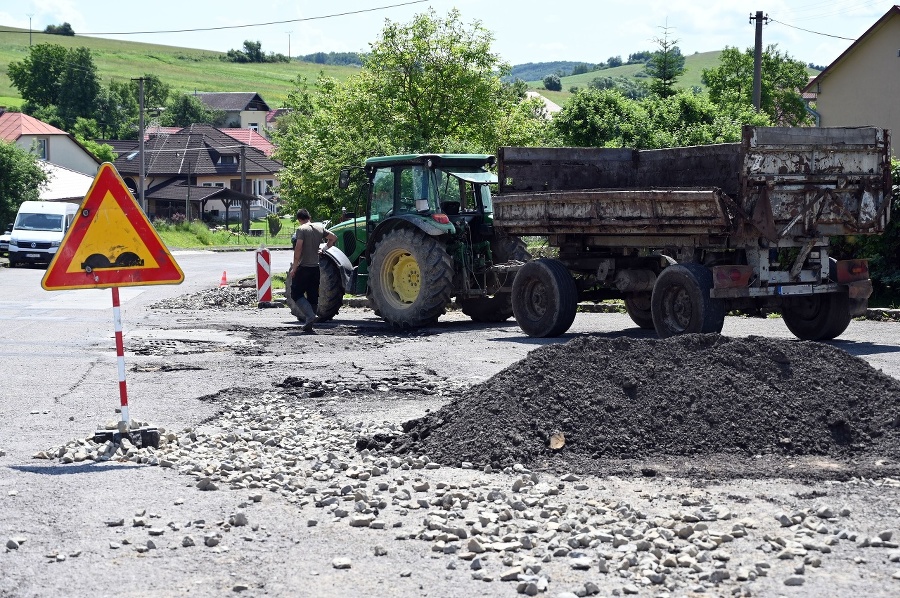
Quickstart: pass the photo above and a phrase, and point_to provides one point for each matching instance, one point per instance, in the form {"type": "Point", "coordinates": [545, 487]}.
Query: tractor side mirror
{"type": "Point", "coordinates": [344, 179]}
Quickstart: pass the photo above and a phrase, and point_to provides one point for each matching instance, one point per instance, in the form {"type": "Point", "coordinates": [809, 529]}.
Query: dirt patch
{"type": "Point", "coordinates": [604, 400]}
{"type": "Point", "coordinates": [226, 297]}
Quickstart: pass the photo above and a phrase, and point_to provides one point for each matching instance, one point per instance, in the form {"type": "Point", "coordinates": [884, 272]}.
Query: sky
{"type": "Point", "coordinates": [524, 30]}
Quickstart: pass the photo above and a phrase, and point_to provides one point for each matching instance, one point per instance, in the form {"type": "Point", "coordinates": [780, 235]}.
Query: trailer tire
{"type": "Point", "coordinates": [819, 317]}
{"type": "Point", "coordinates": [488, 309]}
{"type": "Point", "coordinates": [681, 303]}
{"type": "Point", "coordinates": [544, 298]}
{"type": "Point", "coordinates": [638, 306]}
{"type": "Point", "coordinates": [411, 278]}
{"type": "Point", "coordinates": [331, 290]}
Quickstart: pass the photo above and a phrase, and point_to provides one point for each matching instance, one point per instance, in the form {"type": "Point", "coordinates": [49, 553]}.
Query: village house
{"type": "Point", "coordinates": [47, 142]}
{"type": "Point", "coordinates": [202, 168]}
{"type": "Point", "coordinates": [861, 86]}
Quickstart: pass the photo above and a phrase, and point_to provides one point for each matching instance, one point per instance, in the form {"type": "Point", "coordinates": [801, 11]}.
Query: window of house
{"type": "Point", "coordinates": [40, 148]}
{"type": "Point", "coordinates": [219, 185]}
{"type": "Point", "coordinates": [228, 160]}
{"type": "Point", "coordinates": [269, 187]}
{"type": "Point", "coordinates": [254, 127]}
{"type": "Point", "coordinates": [206, 184]}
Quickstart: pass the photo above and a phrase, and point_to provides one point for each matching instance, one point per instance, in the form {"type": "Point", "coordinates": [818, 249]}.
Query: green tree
{"type": "Point", "coordinates": [606, 118]}
{"type": "Point", "coordinates": [731, 83]}
{"type": "Point", "coordinates": [184, 109]}
{"type": "Point", "coordinates": [86, 131]}
{"type": "Point", "coordinates": [64, 29]}
{"type": "Point", "coordinates": [117, 111]}
{"type": "Point", "coordinates": [79, 86]}
{"type": "Point", "coordinates": [21, 178]}
{"type": "Point", "coordinates": [37, 76]}
{"type": "Point", "coordinates": [53, 79]}
{"type": "Point", "coordinates": [156, 93]}
{"type": "Point", "coordinates": [432, 85]}
{"type": "Point", "coordinates": [552, 83]}
{"type": "Point", "coordinates": [665, 65]}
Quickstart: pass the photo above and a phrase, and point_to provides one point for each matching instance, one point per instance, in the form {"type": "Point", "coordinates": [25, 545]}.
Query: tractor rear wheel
{"type": "Point", "coordinates": [411, 278]}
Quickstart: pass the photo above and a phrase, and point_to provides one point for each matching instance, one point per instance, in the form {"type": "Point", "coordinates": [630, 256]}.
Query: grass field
{"type": "Point", "coordinates": [197, 235]}
{"type": "Point", "coordinates": [186, 70]}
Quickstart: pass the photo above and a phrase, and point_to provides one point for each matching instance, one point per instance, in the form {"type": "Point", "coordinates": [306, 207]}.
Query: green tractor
{"type": "Point", "coordinates": [422, 234]}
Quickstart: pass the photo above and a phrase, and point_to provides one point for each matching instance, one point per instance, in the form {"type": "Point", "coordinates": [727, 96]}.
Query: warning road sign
{"type": "Point", "coordinates": [110, 243]}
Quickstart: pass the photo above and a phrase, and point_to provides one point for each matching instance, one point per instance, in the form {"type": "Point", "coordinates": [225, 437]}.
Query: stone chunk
{"type": "Point", "coordinates": [795, 580]}
{"type": "Point", "coordinates": [342, 563]}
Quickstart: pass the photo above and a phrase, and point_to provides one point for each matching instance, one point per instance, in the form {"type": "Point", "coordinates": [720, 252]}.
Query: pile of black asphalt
{"type": "Point", "coordinates": [692, 404]}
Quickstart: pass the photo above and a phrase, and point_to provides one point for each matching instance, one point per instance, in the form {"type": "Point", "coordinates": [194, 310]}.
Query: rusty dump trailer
{"type": "Point", "coordinates": [685, 235]}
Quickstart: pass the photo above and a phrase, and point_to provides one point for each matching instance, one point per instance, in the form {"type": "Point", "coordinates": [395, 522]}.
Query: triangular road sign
{"type": "Point", "coordinates": [110, 243]}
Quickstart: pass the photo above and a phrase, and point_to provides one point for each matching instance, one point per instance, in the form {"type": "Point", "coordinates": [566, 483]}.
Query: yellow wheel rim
{"type": "Point", "coordinates": [405, 277]}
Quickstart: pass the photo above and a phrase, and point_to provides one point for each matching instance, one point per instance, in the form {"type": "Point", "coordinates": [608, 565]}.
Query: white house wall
{"type": "Point", "coordinates": [863, 88]}
{"type": "Point", "coordinates": [63, 151]}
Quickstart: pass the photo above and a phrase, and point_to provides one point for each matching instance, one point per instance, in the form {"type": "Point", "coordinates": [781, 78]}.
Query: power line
{"type": "Point", "coordinates": [319, 18]}
{"type": "Point", "coordinates": [852, 39]}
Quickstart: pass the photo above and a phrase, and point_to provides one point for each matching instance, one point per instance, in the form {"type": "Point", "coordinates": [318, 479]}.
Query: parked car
{"type": "Point", "coordinates": [4, 239]}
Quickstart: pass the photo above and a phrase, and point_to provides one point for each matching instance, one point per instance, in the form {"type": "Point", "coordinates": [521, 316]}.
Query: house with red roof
{"type": "Point", "coordinates": [47, 142]}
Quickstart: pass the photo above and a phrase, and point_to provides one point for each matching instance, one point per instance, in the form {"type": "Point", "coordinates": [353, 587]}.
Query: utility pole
{"type": "Point", "coordinates": [289, 44]}
{"type": "Point", "coordinates": [757, 59]}
{"type": "Point", "coordinates": [29, 29]}
{"type": "Point", "coordinates": [142, 199]}
{"type": "Point", "coordinates": [245, 204]}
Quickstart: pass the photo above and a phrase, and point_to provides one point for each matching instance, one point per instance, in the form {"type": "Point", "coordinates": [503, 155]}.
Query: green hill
{"type": "Point", "coordinates": [185, 69]}
{"type": "Point", "coordinates": [693, 69]}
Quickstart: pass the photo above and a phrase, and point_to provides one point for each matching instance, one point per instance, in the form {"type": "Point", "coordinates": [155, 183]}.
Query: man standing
{"type": "Point", "coordinates": [305, 267]}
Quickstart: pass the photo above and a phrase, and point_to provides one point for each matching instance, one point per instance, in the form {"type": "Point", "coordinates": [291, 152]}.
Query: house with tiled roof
{"type": "Point", "coordinates": [49, 143]}
{"type": "Point", "coordinates": [861, 86]}
{"type": "Point", "coordinates": [243, 110]}
{"type": "Point", "coordinates": [201, 167]}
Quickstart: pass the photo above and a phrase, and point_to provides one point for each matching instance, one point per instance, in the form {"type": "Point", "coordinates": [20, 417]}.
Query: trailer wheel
{"type": "Point", "coordinates": [499, 307]}
{"type": "Point", "coordinates": [819, 317]}
{"type": "Point", "coordinates": [488, 309]}
{"type": "Point", "coordinates": [411, 279]}
{"type": "Point", "coordinates": [638, 307]}
{"type": "Point", "coordinates": [331, 290]}
{"type": "Point", "coordinates": [544, 298]}
{"type": "Point", "coordinates": [681, 303]}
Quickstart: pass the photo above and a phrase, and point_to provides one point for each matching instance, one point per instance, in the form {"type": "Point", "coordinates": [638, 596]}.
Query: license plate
{"type": "Point", "coordinates": [35, 255]}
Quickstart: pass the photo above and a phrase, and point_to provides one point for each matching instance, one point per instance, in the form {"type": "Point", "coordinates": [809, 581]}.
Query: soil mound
{"type": "Point", "coordinates": [689, 395]}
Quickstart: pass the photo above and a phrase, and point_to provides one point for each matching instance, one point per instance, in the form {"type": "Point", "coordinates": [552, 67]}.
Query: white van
{"type": "Point", "coordinates": [38, 230]}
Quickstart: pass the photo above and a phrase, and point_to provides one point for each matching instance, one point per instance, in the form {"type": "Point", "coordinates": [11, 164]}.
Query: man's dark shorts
{"type": "Point", "coordinates": [306, 284]}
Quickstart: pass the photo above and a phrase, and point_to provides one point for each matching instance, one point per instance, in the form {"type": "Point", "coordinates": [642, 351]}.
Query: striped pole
{"type": "Point", "coordinates": [263, 275]}
{"type": "Point", "coordinates": [120, 353]}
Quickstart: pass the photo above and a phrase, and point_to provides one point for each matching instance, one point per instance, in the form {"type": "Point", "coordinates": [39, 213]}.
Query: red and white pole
{"type": "Point", "coordinates": [120, 353]}
{"type": "Point", "coordinates": [263, 275]}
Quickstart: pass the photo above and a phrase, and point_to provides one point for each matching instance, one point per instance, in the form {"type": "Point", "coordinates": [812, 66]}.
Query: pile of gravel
{"type": "Point", "coordinates": [225, 297]}
{"type": "Point", "coordinates": [687, 395]}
